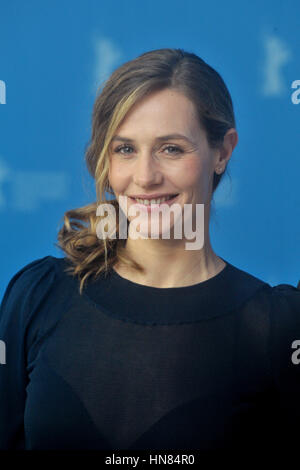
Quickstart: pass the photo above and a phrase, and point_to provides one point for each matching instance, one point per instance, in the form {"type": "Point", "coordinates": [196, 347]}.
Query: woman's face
{"type": "Point", "coordinates": [145, 160]}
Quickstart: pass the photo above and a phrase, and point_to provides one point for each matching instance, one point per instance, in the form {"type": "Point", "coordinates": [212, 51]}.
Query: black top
{"type": "Point", "coordinates": [127, 366]}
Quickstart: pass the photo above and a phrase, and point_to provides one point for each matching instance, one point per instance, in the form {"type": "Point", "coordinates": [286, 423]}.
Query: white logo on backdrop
{"type": "Point", "coordinates": [277, 54]}
{"type": "Point", "coordinates": [26, 190]}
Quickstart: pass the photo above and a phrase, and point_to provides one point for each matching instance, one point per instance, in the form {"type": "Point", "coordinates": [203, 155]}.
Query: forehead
{"type": "Point", "coordinates": [166, 111]}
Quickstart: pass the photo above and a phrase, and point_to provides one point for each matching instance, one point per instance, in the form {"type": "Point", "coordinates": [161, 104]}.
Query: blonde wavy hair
{"type": "Point", "coordinates": [87, 254]}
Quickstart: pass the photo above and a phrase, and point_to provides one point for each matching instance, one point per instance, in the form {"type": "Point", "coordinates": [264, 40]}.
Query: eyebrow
{"type": "Point", "coordinates": [160, 138]}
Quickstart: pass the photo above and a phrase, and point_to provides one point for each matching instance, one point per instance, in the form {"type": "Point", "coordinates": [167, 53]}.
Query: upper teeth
{"type": "Point", "coordinates": [153, 201]}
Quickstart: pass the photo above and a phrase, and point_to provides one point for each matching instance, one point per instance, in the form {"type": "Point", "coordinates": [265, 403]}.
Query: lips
{"type": "Point", "coordinates": [152, 196]}
{"type": "Point", "coordinates": [151, 207]}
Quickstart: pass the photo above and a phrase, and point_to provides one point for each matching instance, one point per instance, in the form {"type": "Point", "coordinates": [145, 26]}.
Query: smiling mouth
{"type": "Point", "coordinates": [154, 202]}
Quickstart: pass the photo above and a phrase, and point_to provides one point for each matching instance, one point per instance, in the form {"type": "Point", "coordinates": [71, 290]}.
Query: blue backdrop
{"type": "Point", "coordinates": [54, 56]}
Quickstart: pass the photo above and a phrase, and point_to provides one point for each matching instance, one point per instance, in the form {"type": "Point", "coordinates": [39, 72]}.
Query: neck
{"type": "Point", "coordinates": [168, 264]}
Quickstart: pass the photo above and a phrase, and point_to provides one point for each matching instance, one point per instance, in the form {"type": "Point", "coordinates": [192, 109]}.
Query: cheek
{"type": "Point", "coordinates": [193, 174]}
{"type": "Point", "coordinates": [117, 176]}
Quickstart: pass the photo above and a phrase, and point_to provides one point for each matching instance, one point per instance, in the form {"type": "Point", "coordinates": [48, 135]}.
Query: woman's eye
{"type": "Point", "coordinates": [118, 150]}
{"type": "Point", "coordinates": [173, 147]}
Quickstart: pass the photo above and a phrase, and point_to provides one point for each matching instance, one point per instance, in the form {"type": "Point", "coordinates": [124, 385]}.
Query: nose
{"type": "Point", "coordinates": [146, 170]}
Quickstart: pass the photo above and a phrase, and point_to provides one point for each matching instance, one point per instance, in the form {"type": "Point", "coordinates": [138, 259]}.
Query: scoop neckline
{"type": "Point", "coordinates": [130, 302]}
{"type": "Point", "coordinates": [172, 290]}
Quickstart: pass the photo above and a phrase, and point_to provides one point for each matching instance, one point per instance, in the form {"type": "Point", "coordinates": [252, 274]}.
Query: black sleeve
{"type": "Point", "coordinates": [21, 317]}
{"type": "Point", "coordinates": [285, 360]}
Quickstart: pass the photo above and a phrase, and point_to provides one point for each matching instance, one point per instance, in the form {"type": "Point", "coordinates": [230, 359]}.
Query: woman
{"type": "Point", "coordinates": [143, 343]}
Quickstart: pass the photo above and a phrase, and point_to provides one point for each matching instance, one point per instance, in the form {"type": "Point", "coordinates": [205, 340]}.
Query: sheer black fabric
{"type": "Point", "coordinates": [127, 366]}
